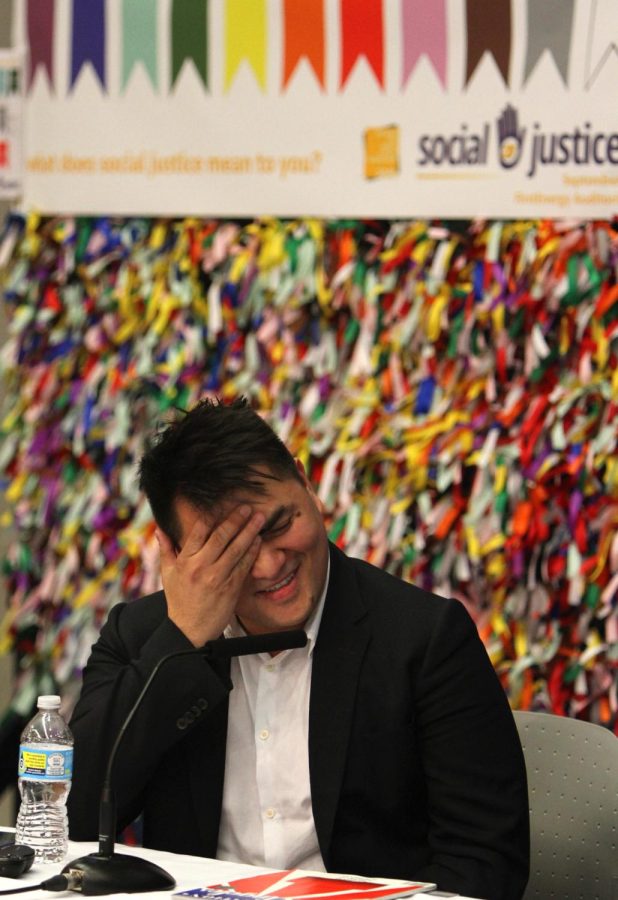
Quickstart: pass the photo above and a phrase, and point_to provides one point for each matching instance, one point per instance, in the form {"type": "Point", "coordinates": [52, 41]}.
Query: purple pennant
{"type": "Point", "coordinates": [40, 16]}
{"type": "Point", "coordinates": [88, 42]}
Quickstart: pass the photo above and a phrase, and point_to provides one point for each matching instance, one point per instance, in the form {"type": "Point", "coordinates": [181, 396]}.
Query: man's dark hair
{"type": "Point", "coordinates": [211, 452]}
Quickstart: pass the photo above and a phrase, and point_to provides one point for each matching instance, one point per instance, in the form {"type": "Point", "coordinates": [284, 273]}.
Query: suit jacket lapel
{"type": "Point", "coordinates": [206, 764]}
{"type": "Point", "coordinates": [337, 657]}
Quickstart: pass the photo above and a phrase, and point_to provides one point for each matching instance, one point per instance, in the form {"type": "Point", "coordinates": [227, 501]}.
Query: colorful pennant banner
{"type": "Point", "coordinates": [424, 30]}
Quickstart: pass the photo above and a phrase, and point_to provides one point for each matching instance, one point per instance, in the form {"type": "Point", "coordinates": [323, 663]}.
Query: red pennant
{"type": "Point", "coordinates": [362, 34]}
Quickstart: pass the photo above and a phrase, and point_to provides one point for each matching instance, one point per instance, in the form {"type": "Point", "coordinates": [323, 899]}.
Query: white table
{"type": "Point", "coordinates": [188, 871]}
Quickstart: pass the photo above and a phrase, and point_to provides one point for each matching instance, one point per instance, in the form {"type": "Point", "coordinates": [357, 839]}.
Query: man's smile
{"type": "Point", "coordinates": [281, 586]}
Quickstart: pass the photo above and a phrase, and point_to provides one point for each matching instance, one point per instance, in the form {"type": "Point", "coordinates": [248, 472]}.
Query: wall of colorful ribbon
{"type": "Point", "coordinates": [451, 387]}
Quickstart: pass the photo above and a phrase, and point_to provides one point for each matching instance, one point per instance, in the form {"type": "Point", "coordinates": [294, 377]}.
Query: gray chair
{"type": "Point", "coordinates": [573, 793]}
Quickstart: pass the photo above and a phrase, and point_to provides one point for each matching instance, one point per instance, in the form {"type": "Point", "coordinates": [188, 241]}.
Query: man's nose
{"type": "Point", "coordinates": [269, 562]}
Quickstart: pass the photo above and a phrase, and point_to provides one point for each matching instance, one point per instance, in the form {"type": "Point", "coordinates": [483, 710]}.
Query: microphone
{"type": "Point", "coordinates": [107, 872]}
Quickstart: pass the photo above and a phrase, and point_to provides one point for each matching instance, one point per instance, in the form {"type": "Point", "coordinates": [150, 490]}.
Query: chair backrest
{"type": "Point", "coordinates": [573, 793]}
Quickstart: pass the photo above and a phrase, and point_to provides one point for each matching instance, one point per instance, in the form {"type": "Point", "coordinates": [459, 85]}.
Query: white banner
{"type": "Point", "coordinates": [369, 108]}
{"type": "Point", "coordinates": [11, 124]}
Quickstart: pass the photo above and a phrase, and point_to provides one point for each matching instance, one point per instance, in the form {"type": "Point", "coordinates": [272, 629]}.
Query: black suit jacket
{"type": "Point", "coordinates": [415, 764]}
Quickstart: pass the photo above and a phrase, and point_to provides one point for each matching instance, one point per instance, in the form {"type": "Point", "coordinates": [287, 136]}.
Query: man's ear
{"type": "Point", "coordinates": [308, 486]}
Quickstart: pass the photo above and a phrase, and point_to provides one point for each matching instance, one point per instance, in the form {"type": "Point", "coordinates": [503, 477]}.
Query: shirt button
{"type": "Point", "coordinates": [270, 667]}
{"type": "Point", "coordinates": [270, 813]}
{"type": "Point", "coordinates": [264, 734]}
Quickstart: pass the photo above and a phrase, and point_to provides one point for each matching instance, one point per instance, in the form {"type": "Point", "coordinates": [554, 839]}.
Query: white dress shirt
{"type": "Point", "coordinates": [266, 815]}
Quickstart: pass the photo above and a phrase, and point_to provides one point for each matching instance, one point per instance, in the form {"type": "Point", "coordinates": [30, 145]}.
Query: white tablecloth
{"type": "Point", "coordinates": [188, 871]}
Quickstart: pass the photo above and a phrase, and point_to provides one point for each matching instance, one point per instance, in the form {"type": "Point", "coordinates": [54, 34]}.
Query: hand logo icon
{"type": "Point", "coordinates": [510, 138]}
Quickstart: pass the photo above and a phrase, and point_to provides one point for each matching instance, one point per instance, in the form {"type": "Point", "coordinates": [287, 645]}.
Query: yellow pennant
{"type": "Point", "coordinates": [245, 38]}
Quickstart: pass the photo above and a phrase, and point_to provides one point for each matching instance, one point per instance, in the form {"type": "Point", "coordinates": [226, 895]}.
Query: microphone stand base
{"type": "Point", "coordinates": [117, 873]}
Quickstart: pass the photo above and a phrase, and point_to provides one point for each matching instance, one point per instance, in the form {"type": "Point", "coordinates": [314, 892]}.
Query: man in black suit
{"type": "Point", "coordinates": [386, 747]}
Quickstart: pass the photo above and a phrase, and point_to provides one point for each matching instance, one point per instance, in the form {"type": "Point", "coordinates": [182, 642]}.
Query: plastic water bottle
{"type": "Point", "coordinates": [45, 770]}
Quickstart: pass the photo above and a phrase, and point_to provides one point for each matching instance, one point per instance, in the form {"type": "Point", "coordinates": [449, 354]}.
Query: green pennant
{"type": "Point", "coordinates": [139, 38]}
{"type": "Point", "coordinates": [190, 37]}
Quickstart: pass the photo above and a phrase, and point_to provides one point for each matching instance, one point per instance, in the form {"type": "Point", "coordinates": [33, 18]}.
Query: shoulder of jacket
{"type": "Point", "coordinates": [382, 591]}
{"type": "Point", "coordinates": [148, 610]}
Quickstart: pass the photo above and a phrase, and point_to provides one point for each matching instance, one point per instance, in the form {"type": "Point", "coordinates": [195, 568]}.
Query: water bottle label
{"type": "Point", "coordinates": [38, 764]}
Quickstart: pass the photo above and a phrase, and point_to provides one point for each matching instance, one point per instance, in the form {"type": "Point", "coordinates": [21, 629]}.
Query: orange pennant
{"type": "Point", "coordinates": [303, 36]}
